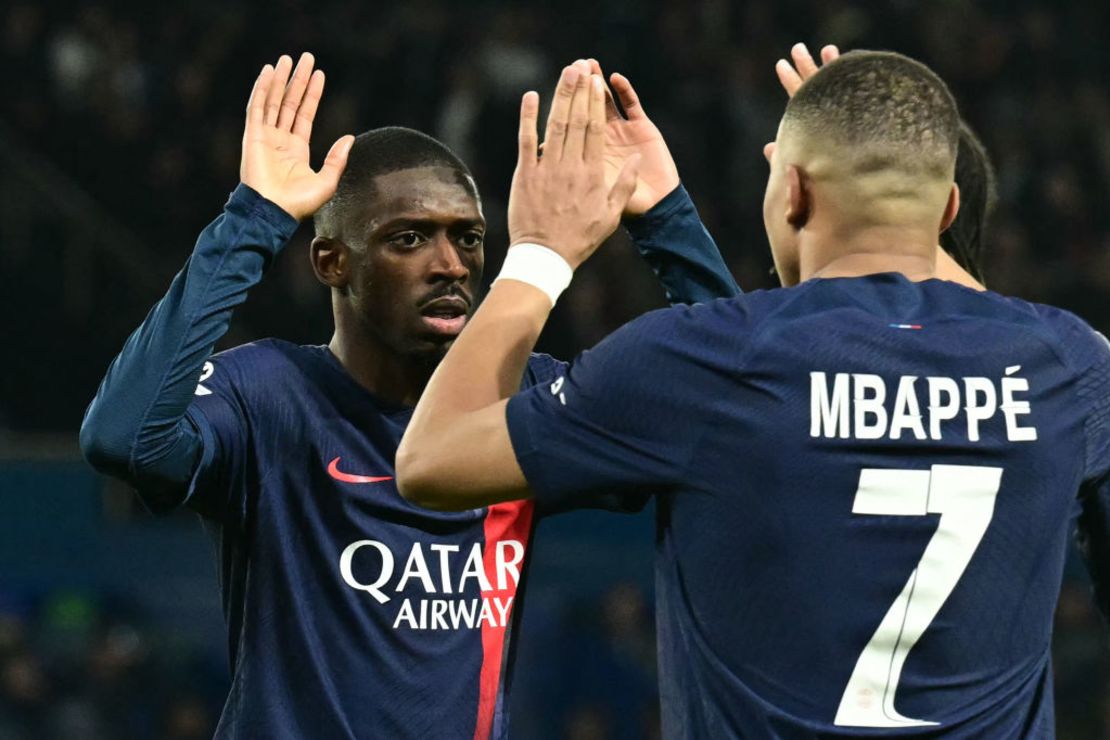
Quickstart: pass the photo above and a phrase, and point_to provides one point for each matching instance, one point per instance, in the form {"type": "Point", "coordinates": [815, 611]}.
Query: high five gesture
{"type": "Point", "coordinates": [276, 139]}
{"type": "Point", "coordinates": [564, 200]}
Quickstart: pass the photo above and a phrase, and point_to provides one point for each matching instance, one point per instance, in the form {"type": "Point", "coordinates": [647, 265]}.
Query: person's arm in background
{"type": "Point", "coordinates": [136, 427]}
{"type": "Point", "coordinates": [793, 76]}
{"type": "Point", "coordinates": [660, 216]}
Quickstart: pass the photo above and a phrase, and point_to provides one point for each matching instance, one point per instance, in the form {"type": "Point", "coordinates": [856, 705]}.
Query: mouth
{"type": "Point", "coordinates": [445, 316]}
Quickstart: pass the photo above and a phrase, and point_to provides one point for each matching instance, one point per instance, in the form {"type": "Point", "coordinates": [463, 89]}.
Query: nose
{"type": "Point", "coordinates": [769, 151]}
{"type": "Point", "coordinates": [447, 263]}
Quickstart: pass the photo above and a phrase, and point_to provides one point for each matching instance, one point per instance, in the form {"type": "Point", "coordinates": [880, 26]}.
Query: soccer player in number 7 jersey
{"type": "Point", "coordinates": [865, 481]}
{"type": "Point", "coordinates": [351, 613]}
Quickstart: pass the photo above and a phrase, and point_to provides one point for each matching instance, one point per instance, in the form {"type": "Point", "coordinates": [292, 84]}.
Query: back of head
{"type": "Point", "coordinates": [378, 152]}
{"type": "Point", "coordinates": [880, 124]}
{"type": "Point", "coordinates": [978, 196]}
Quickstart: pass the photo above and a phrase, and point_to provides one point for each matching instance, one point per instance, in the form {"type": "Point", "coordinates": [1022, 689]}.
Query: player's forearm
{"type": "Point", "coordinates": [674, 242]}
{"type": "Point", "coordinates": [453, 452]}
{"type": "Point", "coordinates": [135, 427]}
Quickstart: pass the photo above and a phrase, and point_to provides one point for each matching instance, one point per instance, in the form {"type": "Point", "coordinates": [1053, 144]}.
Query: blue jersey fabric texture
{"type": "Point", "coordinates": [865, 489]}
{"type": "Point", "coordinates": [350, 613]}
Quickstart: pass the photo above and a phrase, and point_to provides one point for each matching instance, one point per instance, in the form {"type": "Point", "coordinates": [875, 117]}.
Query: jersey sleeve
{"type": "Point", "coordinates": [1093, 532]}
{"type": "Point", "coordinates": [218, 412]}
{"type": "Point", "coordinates": [136, 428]}
{"type": "Point", "coordinates": [620, 425]}
{"type": "Point", "coordinates": [542, 368]}
{"type": "Point", "coordinates": [674, 242]}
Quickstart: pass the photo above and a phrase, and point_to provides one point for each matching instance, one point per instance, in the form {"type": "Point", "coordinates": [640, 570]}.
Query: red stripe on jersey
{"type": "Point", "coordinates": [511, 520]}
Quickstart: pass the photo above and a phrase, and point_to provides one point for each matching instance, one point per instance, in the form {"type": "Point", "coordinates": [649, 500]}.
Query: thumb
{"type": "Point", "coordinates": [336, 160]}
{"type": "Point", "coordinates": [625, 185]}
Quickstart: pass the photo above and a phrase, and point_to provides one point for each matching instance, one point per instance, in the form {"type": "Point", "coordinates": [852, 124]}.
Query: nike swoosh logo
{"type": "Point", "coordinates": [335, 472]}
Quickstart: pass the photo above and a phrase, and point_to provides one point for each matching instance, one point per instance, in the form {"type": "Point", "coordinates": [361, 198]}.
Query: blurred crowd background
{"type": "Point", "coordinates": [119, 140]}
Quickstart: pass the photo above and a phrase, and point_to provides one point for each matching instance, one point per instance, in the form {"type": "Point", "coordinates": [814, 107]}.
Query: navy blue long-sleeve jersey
{"type": "Point", "coordinates": [865, 489]}
{"type": "Point", "coordinates": [350, 613]}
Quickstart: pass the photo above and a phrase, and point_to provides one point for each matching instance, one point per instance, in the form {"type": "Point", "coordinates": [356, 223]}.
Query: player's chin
{"type": "Point", "coordinates": [432, 346]}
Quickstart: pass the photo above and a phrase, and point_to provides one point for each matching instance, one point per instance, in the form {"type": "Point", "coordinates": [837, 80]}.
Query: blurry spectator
{"type": "Point", "coordinates": [25, 703]}
{"type": "Point", "coordinates": [73, 671]}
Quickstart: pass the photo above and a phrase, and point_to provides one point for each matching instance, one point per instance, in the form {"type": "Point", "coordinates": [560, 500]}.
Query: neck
{"type": "Point", "coordinates": [396, 378]}
{"type": "Point", "coordinates": [874, 249]}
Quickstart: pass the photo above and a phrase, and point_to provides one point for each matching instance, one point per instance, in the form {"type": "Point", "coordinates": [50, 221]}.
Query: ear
{"type": "Point", "coordinates": [331, 260]}
{"type": "Point", "coordinates": [797, 198]}
{"type": "Point", "coordinates": [951, 208]}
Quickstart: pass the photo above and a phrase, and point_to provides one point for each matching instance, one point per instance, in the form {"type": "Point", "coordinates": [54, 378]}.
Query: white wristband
{"type": "Point", "coordinates": [539, 266]}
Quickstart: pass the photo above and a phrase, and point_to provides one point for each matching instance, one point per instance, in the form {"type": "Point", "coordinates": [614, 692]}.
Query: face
{"type": "Point", "coordinates": [781, 233]}
{"type": "Point", "coordinates": [413, 282]}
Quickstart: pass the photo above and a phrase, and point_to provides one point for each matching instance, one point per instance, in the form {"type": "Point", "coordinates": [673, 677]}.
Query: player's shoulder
{"type": "Point", "coordinates": [735, 316]}
{"type": "Point", "coordinates": [1086, 344]}
{"type": "Point", "coordinates": [261, 362]}
{"type": "Point", "coordinates": [700, 330]}
{"type": "Point", "coordinates": [1078, 343]}
{"type": "Point", "coordinates": [263, 352]}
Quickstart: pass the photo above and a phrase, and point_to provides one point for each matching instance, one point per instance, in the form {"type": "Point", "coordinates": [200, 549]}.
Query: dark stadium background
{"type": "Point", "coordinates": [119, 141]}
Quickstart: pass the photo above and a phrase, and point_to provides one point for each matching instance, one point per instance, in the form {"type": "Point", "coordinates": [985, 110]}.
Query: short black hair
{"type": "Point", "coordinates": [892, 110]}
{"type": "Point", "coordinates": [978, 198]}
{"type": "Point", "coordinates": [379, 152]}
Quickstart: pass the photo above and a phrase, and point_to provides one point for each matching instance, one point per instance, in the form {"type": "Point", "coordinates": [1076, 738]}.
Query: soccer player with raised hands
{"type": "Point", "coordinates": [865, 481]}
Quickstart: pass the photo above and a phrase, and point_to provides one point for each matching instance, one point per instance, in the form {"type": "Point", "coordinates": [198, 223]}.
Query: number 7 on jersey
{"type": "Point", "coordinates": [964, 496]}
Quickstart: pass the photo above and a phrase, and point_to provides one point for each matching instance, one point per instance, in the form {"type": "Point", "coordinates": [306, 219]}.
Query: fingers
{"type": "Point", "coordinates": [294, 92]}
{"type": "Point", "coordinates": [306, 113]}
{"type": "Point", "coordinates": [625, 185]}
{"type": "Point", "coordinates": [595, 127]}
{"type": "Point", "coordinates": [557, 118]}
{"type": "Point", "coordinates": [256, 105]}
{"type": "Point", "coordinates": [627, 95]}
{"type": "Point", "coordinates": [611, 111]}
{"type": "Point", "coordinates": [528, 152]}
{"type": "Point", "coordinates": [277, 89]}
{"type": "Point", "coordinates": [336, 161]}
{"type": "Point", "coordinates": [788, 77]}
{"type": "Point", "coordinates": [578, 118]}
{"type": "Point", "coordinates": [803, 61]}
{"type": "Point", "coordinates": [793, 75]}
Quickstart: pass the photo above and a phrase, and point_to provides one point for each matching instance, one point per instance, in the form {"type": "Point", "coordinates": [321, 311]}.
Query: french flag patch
{"type": "Point", "coordinates": [904, 326]}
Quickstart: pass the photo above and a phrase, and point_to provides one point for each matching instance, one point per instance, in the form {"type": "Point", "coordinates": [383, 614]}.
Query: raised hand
{"type": "Point", "coordinates": [804, 67]}
{"type": "Point", "coordinates": [635, 134]}
{"type": "Point", "coordinates": [792, 76]}
{"type": "Point", "coordinates": [275, 139]}
{"type": "Point", "coordinates": [563, 200]}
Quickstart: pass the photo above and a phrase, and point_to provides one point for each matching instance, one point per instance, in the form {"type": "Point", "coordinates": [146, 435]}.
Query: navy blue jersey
{"type": "Point", "coordinates": [329, 576]}
{"type": "Point", "coordinates": [351, 614]}
{"type": "Point", "coordinates": [865, 491]}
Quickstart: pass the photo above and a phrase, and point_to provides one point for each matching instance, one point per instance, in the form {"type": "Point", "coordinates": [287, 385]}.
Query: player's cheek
{"type": "Point", "coordinates": [475, 264]}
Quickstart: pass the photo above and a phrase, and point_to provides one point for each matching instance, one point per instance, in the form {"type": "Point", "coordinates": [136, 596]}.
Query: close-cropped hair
{"type": "Point", "coordinates": [889, 110]}
{"type": "Point", "coordinates": [379, 152]}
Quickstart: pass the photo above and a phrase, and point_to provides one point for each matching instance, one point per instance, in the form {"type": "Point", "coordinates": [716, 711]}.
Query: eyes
{"type": "Point", "coordinates": [472, 239]}
{"type": "Point", "coordinates": [409, 240]}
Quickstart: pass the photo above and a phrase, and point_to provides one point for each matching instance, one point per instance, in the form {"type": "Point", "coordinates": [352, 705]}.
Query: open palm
{"type": "Point", "coordinates": [276, 139]}
{"type": "Point", "coordinates": [635, 134]}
